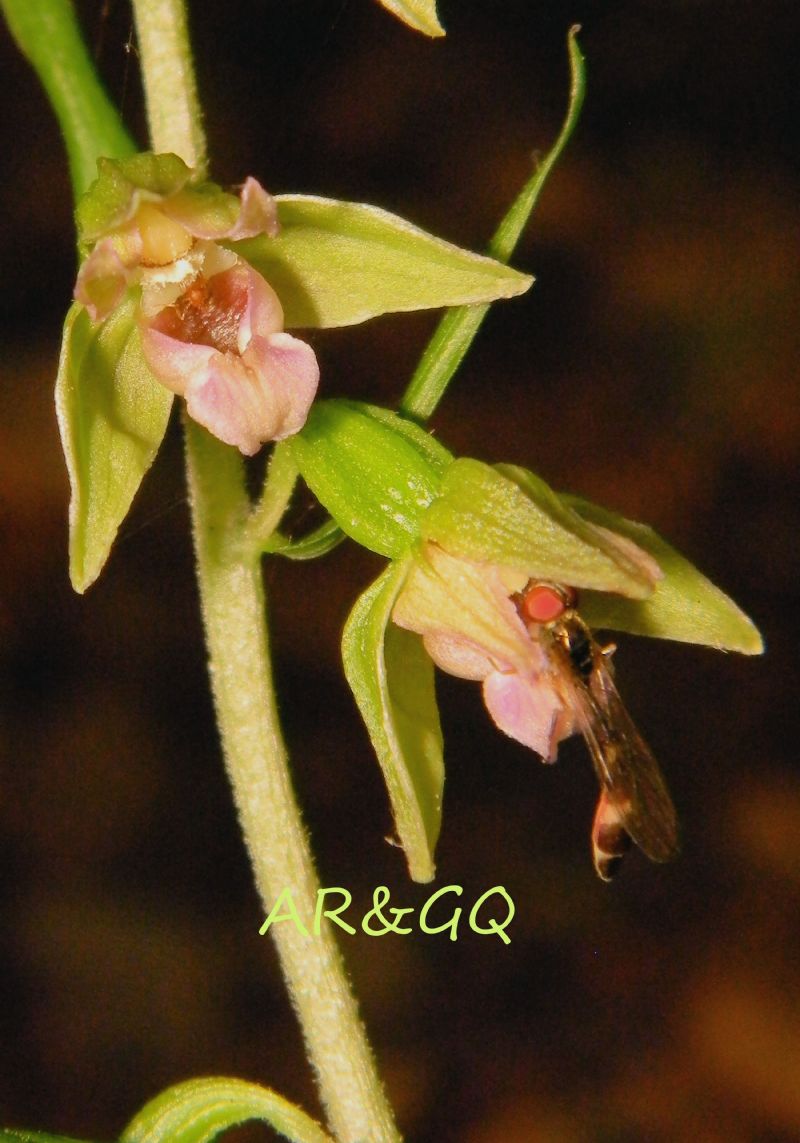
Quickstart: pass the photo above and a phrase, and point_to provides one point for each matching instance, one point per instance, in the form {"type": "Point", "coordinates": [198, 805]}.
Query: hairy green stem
{"type": "Point", "coordinates": [228, 543]}
{"type": "Point", "coordinates": [233, 605]}
{"type": "Point", "coordinates": [173, 109]}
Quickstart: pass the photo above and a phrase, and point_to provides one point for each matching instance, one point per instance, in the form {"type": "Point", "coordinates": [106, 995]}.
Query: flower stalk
{"type": "Point", "coordinates": [233, 605]}
{"type": "Point", "coordinates": [174, 116]}
{"type": "Point", "coordinates": [234, 612]}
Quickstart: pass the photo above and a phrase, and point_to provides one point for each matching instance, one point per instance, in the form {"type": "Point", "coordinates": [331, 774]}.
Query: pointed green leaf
{"type": "Point", "coordinates": [455, 332]}
{"type": "Point", "coordinates": [506, 515]}
{"type": "Point", "coordinates": [112, 415]}
{"type": "Point", "coordinates": [199, 1110]}
{"type": "Point", "coordinates": [391, 676]}
{"type": "Point", "coordinates": [374, 471]}
{"type": "Point", "coordinates": [418, 14]}
{"type": "Point", "coordinates": [338, 263]}
{"type": "Point", "coordinates": [684, 606]}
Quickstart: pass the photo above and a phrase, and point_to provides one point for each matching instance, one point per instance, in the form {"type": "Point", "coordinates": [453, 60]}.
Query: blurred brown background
{"type": "Point", "coordinates": [651, 368]}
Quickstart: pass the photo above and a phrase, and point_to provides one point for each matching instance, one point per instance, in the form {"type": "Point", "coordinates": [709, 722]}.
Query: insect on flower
{"type": "Point", "coordinates": [634, 803]}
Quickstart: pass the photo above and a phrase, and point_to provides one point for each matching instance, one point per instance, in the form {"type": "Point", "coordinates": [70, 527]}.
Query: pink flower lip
{"type": "Point", "coordinates": [222, 347]}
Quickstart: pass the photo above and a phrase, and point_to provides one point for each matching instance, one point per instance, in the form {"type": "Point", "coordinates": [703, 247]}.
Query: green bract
{"type": "Point", "coordinates": [374, 471]}
{"type": "Point", "coordinates": [199, 1110]}
{"type": "Point", "coordinates": [339, 263]}
{"type": "Point", "coordinates": [112, 415]}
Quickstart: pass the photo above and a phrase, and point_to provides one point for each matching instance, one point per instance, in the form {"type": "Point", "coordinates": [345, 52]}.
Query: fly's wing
{"type": "Point", "coordinates": [634, 794]}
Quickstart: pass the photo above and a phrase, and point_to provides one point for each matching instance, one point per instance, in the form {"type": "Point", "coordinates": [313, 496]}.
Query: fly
{"type": "Point", "coordinates": [634, 803]}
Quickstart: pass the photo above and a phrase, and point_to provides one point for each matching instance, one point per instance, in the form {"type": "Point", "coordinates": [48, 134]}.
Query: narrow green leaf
{"type": "Point", "coordinates": [457, 329]}
{"type": "Point", "coordinates": [418, 14]}
{"type": "Point", "coordinates": [47, 33]}
{"type": "Point", "coordinates": [684, 606]}
{"type": "Point", "coordinates": [374, 471]}
{"type": "Point", "coordinates": [391, 676]}
{"type": "Point", "coordinates": [13, 1135]}
{"type": "Point", "coordinates": [508, 516]}
{"type": "Point", "coordinates": [338, 263]}
{"type": "Point", "coordinates": [112, 415]}
{"type": "Point", "coordinates": [199, 1110]}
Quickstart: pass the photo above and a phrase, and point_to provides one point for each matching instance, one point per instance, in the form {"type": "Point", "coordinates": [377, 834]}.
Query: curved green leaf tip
{"type": "Point", "coordinates": [418, 14]}
{"type": "Point", "coordinates": [112, 416]}
{"type": "Point", "coordinates": [199, 1110]}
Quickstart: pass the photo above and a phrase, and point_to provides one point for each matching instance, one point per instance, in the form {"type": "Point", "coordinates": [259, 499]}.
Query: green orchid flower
{"type": "Point", "coordinates": [494, 577]}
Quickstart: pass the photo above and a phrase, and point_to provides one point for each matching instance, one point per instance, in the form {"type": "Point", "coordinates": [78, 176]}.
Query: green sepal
{"type": "Point", "coordinates": [685, 606]}
{"type": "Point", "coordinates": [508, 516]}
{"type": "Point", "coordinates": [339, 263]}
{"type": "Point", "coordinates": [120, 186]}
{"type": "Point", "coordinates": [112, 415]}
{"type": "Point", "coordinates": [199, 1110]}
{"type": "Point", "coordinates": [374, 471]}
{"type": "Point", "coordinates": [392, 679]}
{"type": "Point", "coordinates": [418, 14]}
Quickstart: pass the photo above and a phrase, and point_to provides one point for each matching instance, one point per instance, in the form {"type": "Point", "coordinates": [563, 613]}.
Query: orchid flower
{"type": "Point", "coordinates": [212, 327]}
{"type": "Point", "coordinates": [484, 565]}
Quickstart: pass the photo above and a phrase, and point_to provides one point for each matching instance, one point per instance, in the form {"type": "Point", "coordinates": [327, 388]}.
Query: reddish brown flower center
{"type": "Point", "coordinates": [208, 313]}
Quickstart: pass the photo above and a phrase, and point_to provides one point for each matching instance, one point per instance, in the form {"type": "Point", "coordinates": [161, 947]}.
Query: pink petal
{"type": "Point", "coordinates": [631, 550]}
{"type": "Point", "coordinates": [262, 313]}
{"type": "Point", "coordinates": [226, 398]}
{"type": "Point", "coordinates": [457, 656]}
{"type": "Point", "coordinates": [258, 214]}
{"type": "Point", "coordinates": [245, 401]}
{"type": "Point", "coordinates": [175, 362]}
{"type": "Point", "coordinates": [288, 366]}
{"type": "Point", "coordinates": [528, 710]}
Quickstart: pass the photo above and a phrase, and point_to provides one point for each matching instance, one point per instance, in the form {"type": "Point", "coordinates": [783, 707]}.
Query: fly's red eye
{"type": "Point", "coordinates": [543, 603]}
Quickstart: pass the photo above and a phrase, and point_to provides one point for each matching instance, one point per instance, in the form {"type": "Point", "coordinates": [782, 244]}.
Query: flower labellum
{"type": "Point", "coordinates": [471, 627]}
{"type": "Point", "coordinates": [221, 345]}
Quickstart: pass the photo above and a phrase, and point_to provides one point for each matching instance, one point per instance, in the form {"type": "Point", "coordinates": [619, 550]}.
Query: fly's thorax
{"type": "Point", "coordinates": [572, 634]}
